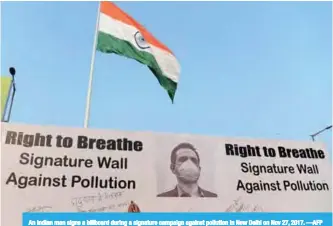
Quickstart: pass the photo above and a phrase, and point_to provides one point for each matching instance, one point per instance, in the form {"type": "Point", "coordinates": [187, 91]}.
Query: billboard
{"type": "Point", "coordinates": [56, 169]}
{"type": "Point", "coordinates": [5, 88]}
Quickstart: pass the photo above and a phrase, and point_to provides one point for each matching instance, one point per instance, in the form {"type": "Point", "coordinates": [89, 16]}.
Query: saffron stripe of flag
{"type": "Point", "coordinates": [119, 33]}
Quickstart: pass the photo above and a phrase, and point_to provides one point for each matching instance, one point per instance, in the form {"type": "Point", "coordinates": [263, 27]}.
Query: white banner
{"type": "Point", "coordinates": [58, 169]}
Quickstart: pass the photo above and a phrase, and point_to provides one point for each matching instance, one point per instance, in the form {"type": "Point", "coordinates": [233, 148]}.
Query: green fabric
{"type": "Point", "coordinates": [109, 44]}
{"type": "Point", "coordinates": [5, 87]}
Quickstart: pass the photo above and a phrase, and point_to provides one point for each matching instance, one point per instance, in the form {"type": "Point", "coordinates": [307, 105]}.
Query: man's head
{"type": "Point", "coordinates": [185, 163]}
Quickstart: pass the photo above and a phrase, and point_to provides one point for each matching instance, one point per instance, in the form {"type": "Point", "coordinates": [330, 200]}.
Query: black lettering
{"type": "Point", "coordinates": [108, 162]}
{"type": "Point", "coordinates": [244, 167]}
{"type": "Point", "coordinates": [256, 170]}
{"type": "Point", "coordinates": [11, 179]}
{"type": "Point", "coordinates": [307, 169]}
{"type": "Point", "coordinates": [107, 183]}
{"type": "Point", "coordinates": [282, 152]}
{"type": "Point", "coordinates": [128, 145]}
{"type": "Point", "coordinates": [308, 153]}
{"type": "Point", "coordinates": [229, 149]}
{"type": "Point", "coordinates": [104, 162]}
{"type": "Point", "coordinates": [59, 141]}
{"type": "Point", "coordinates": [265, 151]}
{"type": "Point", "coordinates": [49, 140]}
{"type": "Point", "coordinates": [67, 142]}
{"type": "Point", "coordinates": [271, 152]}
{"type": "Point", "coordinates": [91, 142]}
{"type": "Point", "coordinates": [251, 187]}
{"type": "Point", "coordinates": [112, 145]}
{"type": "Point", "coordinates": [46, 161]}
{"type": "Point", "coordinates": [321, 154]}
{"type": "Point", "coordinates": [32, 181]}
{"type": "Point", "coordinates": [39, 140]}
{"type": "Point", "coordinates": [121, 144]}
{"type": "Point", "coordinates": [24, 158]}
{"type": "Point", "coordinates": [28, 140]}
{"type": "Point", "coordinates": [75, 179]}
{"type": "Point", "coordinates": [138, 146]}
{"type": "Point", "coordinates": [11, 137]}
{"type": "Point", "coordinates": [100, 144]}
{"type": "Point", "coordinates": [242, 151]}
{"type": "Point", "coordinates": [82, 142]}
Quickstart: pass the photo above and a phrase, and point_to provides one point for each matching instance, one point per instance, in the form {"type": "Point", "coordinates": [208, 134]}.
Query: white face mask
{"type": "Point", "coordinates": [188, 171]}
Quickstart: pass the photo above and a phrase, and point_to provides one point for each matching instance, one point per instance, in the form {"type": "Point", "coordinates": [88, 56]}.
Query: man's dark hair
{"type": "Point", "coordinates": [182, 146]}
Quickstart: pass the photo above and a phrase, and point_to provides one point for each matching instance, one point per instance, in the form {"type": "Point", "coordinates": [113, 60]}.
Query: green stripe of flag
{"type": "Point", "coordinates": [110, 44]}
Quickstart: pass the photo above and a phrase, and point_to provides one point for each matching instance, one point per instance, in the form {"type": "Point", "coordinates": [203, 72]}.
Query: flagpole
{"type": "Point", "coordinates": [92, 64]}
{"type": "Point", "coordinates": [11, 90]}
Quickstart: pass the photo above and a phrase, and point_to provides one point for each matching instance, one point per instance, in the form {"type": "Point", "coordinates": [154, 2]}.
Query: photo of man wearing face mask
{"type": "Point", "coordinates": [185, 165]}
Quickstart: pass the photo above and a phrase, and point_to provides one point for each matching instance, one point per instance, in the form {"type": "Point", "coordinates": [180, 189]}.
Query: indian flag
{"type": "Point", "coordinates": [119, 33]}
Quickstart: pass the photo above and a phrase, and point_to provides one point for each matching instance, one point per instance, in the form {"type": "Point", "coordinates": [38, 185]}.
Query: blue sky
{"type": "Point", "coordinates": [249, 69]}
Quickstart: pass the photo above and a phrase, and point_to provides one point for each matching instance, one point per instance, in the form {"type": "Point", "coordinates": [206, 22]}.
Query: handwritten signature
{"type": "Point", "coordinates": [239, 206]}
{"type": "Point", "coordinates": [101, 196]}
{"type": "Point", "coordinates": [40, 209]}
{"type": "Point", "coordinates": [106, 208]}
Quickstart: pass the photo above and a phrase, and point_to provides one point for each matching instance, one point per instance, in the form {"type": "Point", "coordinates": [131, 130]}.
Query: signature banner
{"type": "Point", "coordinates": [56, 169]}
